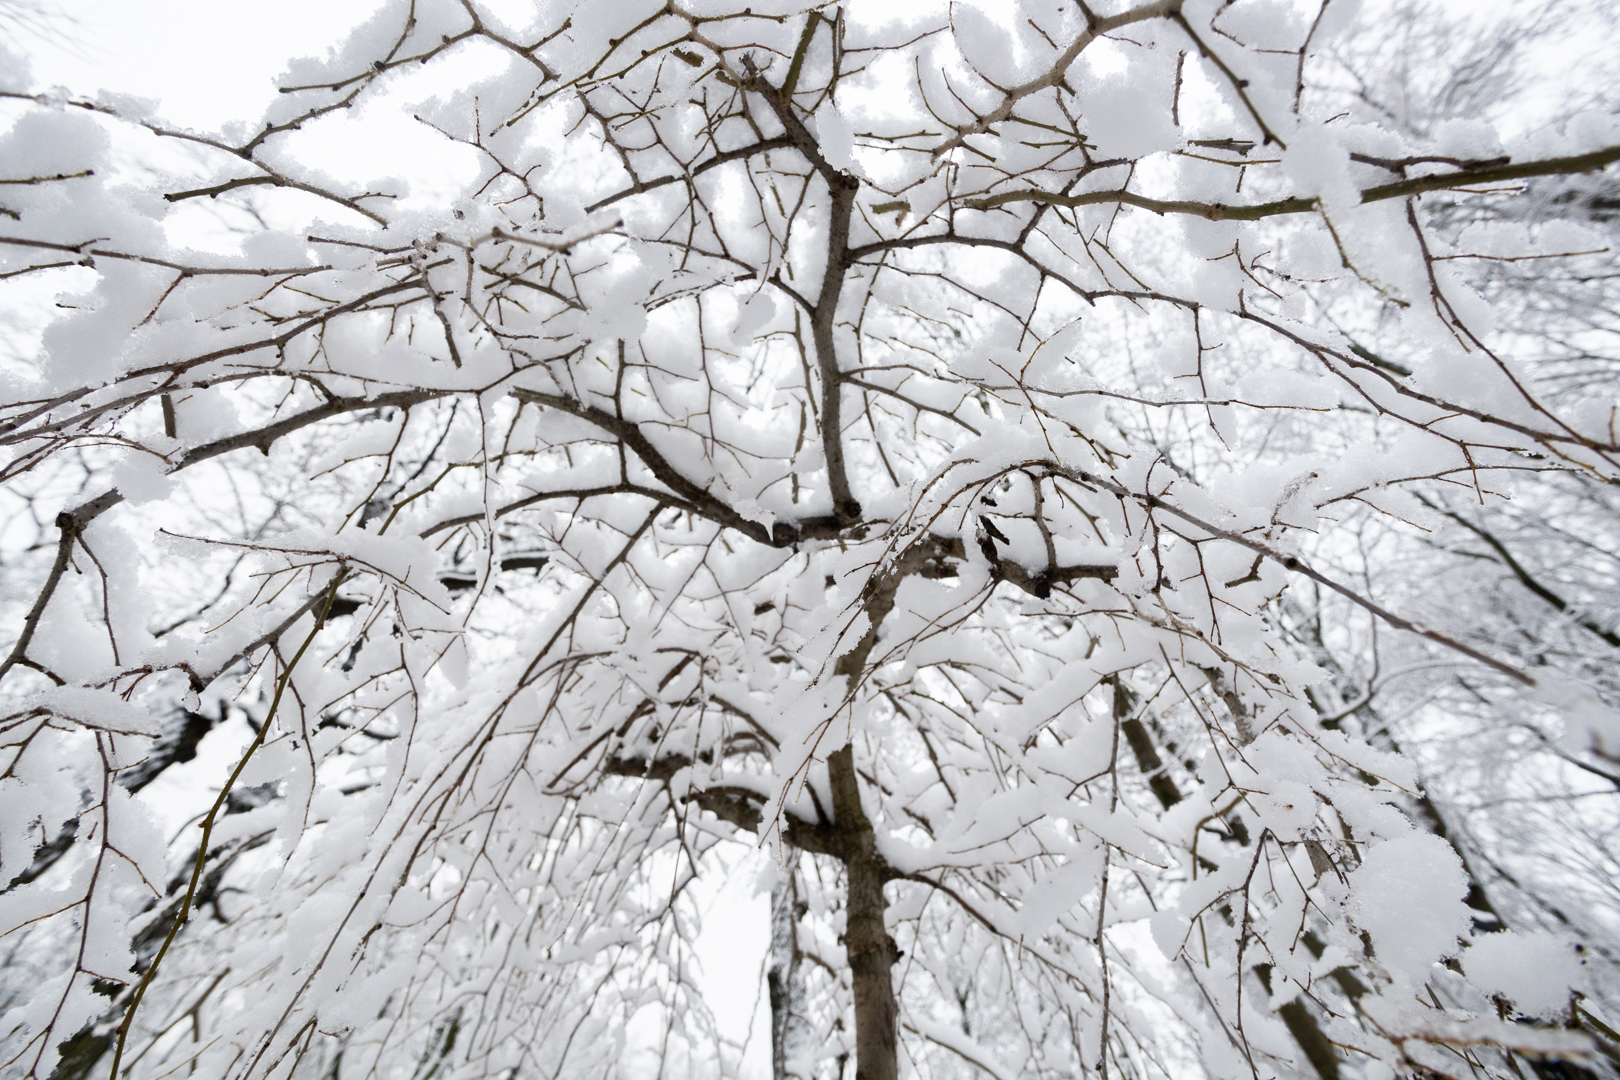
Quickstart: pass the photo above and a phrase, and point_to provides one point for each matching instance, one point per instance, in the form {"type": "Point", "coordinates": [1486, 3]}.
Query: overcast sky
{"type": "Point", "coordinates": [207, 62]}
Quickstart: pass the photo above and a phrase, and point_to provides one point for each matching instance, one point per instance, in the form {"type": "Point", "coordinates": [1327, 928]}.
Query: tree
{"type": "Point", "coordinates": [1531, 813]}
{"type": "Point", "coordinates": [900, 440]}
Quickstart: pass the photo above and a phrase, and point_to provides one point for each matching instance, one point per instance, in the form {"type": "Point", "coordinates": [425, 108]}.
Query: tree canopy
{"type": "Point", "coordinates": [1007, 464]}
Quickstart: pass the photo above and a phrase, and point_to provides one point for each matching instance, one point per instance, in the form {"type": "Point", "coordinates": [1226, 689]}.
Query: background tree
{"type": "Point", "coordinates": [962, 454]}
{"type": "Point", "coordinates": [1529, 811]}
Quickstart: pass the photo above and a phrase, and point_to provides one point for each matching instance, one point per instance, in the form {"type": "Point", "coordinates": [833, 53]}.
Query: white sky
{"type": "Point", "coordinates": [209, 63]}
{"type": "Point", "coordinates": [206, 61]}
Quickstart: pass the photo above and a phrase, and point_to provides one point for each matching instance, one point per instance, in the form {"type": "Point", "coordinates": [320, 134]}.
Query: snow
{"type": "Point", "coordinates": [1407, 894]}
{"type": "Point", "coordinates": [1536, 971]}
{"type": "Point", "coordinates": [514, 805]}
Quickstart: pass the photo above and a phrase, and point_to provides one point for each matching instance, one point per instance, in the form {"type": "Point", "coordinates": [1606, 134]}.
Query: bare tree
{"type": "Point", "coordinates": [896, 440]}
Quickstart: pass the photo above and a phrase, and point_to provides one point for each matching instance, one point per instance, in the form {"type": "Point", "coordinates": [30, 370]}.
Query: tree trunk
{"type": "Point", "coordinates": [872, 952]}
{"type": "Point", "coordinates": [1305, 1030]}
{"type": "Point", "coordinates": [1296, 1017]}
{"type": "Point", "coordinates": [782, 978]}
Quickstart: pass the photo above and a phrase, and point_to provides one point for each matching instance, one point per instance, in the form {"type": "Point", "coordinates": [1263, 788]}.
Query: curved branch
{"type": "Point", "coordinates": [1297, 565]}
{"type": "Point", "coordinates": [1095, 28]}
{"type": "Point", "coordinates": [781, 142]}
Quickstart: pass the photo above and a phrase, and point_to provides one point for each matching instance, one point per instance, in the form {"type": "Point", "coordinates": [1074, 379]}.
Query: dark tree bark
{"type": "Point", "coordinates": [872, 952]}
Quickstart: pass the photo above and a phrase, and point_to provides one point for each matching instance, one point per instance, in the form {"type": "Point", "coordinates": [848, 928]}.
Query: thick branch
{"type": "Point", "coordinates": [1141, 744]}
{"type": "Point", "coordinates": [627, 432]}
{"type": "Point", "coordinates": [1580, 163]}
{"type": "Point", "coordinates": [841, 189]}
{"type": "Point", "coordinates": [872, 952]}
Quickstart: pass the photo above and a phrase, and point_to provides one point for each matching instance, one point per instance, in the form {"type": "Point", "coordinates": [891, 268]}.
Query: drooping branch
{"type": "Point", "coordinates": [1529, 580]}
{"type": "Point", "coordinates": [629, 433]}
{"type": "Point", "coordinates": [1297, 565]}
{"type": "Point", "coordinates": [70, 523]}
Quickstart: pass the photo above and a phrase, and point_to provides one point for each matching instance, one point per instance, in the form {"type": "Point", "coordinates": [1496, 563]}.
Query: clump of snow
{"type": "Point", "coordinates": [836, 137]}
{"type": "Point", "coordinates": [1590, 726]}
{"type": "Point", "coordinates": [1124, 119]}
{"type": "Point", "coordinates": [1288, 809]}
{"type": "Point", "coordinates": [141, 478]}
{"type": "Point", "coordinates": [1320, 165]}
{"type": "Point", "coordinates": [1535, 971]}
{"type": "Point", "coordinates": [1408, 895]}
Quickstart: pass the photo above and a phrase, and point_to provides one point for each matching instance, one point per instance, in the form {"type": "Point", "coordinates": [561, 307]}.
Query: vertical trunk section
{"type": "Point", "coordinates": [1295, 1015]}
{"type": "Point", "coordinates": [1141, 744]}
{"type": "Point", "coordinates": [1305, 1030]}
{"type": "Point", "coordinates": [872, 952]}
{"type": "Point", "coordinates": [782, 979]}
